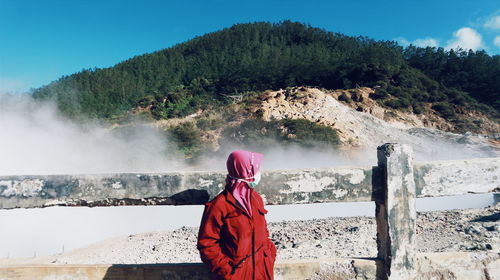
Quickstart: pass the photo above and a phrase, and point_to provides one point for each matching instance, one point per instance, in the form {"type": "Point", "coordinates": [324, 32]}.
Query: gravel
{"type": "Point", "coordinates": [440, 231]}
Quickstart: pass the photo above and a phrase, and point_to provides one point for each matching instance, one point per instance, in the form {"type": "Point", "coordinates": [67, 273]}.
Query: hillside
{"type": "Point", "coordinates": [316, 120]}
{"type": "Point", "coordinates": [248, 58]}
{"type": "Point", "coordinates": [361, 121]}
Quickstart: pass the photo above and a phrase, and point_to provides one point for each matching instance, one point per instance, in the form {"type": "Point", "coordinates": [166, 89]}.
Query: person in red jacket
{"type": "Point", "coordinates": [233, 239]}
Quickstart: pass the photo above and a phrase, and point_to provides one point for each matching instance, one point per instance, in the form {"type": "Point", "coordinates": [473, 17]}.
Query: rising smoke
{"type": "Point", "coordinates": [36, 139]}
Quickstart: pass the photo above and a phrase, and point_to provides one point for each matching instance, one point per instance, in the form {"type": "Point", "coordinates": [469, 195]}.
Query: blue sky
{"type": "Point", "coordinates": [42, 40]}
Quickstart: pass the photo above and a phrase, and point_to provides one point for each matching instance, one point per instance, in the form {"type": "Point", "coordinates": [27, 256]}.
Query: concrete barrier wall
{"type": "Point", "coordinates": [393, 184]}
{"type": "Point", "coordinates": [277, 187]}
{"type": "Point", "coordinates": [453, 177]}
{"type": "Point", "coordinates": [443, 266]}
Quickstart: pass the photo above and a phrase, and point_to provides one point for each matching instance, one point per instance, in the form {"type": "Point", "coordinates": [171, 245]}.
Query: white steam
{"type": "Point", "coordinates": [279, 157]}
{"type": "Point", "coordinates": [36, 139]}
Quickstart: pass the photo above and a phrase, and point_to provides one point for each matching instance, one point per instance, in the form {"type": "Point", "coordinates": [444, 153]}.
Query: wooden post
{"type": "Point", "coordinates": [395, 212]}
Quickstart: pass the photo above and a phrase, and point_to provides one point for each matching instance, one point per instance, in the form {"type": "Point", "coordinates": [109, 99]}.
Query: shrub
{"type": "Point", "coordinates": [444, 109]}
{"type": "Point", "coordinates": [209, 124]}
{"type": "Point", "coordinates": [396, 91]}
{"type": "Point", "coordinates": [459, 100]}
{"type": "Point", "coordinates": [146, 101]}
{"type": "Point", "coordinates": [253, 133]}
{"type": "Point", "coordinates": [257, 133]}
{"type": "Point", "coordinates": [393, 103]}
{"type": "Point", "coordinates": [187, 137]}
{"type": "Point", "coordinates": [345, 98]}
{"type": "Point", "coordinates": [417, 109]}
{"type": "Point", "coordinates": [437, 96]}
{"type": "Point", "coordinates": [398, 103]}
{"type": "Point", "coordinates": [380, 93]}
{"type": "Point", "coordinates": [310, 134]}
{"type": "Point", "coordinates": [158, 111]}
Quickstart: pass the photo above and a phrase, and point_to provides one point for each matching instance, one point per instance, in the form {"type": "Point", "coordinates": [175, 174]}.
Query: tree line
{"type": "Point", "coordinates": [258, 56]}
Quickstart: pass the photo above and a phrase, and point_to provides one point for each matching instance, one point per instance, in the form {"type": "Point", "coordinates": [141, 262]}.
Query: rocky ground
{"type": "Point", "coordinates": [440, 231]}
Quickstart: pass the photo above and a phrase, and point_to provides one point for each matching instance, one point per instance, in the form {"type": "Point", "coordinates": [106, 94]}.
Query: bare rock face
{"type": "Point", "coordinates": [364, 123]}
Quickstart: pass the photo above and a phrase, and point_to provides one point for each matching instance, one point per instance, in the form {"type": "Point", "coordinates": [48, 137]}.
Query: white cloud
{"type": "Point", "coordinates": [402, 41]}
{"type": "Point", "coordinates": [466, 38]}
{"type": "Point", "coordinates": [493, 22]}
{"type": "Point", "coordinates": [496, 41]}
{"type": "Point", "coordinates": [426, 42]}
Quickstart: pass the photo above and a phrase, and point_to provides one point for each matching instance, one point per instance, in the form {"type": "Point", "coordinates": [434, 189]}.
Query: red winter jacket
{"type": "Point", "coordinates": [234, 244]}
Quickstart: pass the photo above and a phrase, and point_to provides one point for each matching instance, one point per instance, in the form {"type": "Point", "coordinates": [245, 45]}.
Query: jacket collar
{"type": "Point", "coordinates": [230, 198]}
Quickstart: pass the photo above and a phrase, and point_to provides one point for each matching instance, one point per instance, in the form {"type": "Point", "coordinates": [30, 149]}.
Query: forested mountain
{"type": "Point", "coordinates": [259, 56]}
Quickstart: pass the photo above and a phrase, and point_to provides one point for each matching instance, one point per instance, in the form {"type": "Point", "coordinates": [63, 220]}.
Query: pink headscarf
{"type": "Point", "coordinates": [242, 165]}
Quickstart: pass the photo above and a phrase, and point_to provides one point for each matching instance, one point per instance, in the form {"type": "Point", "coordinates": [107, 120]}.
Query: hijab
{"type": "Point", "coordinates": [242, 165]}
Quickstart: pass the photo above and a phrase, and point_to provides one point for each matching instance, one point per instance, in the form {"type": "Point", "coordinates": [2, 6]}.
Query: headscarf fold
{"type": "Point", "coordinates": [242, 165]}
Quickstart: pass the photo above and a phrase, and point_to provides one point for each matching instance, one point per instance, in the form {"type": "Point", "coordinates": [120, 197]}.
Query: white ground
{"type": "Point", "coordinates": [439, 231]}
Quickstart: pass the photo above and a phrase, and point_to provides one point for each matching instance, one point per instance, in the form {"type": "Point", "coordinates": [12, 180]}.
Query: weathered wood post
{"type": "Point", "coordinates": [395, 212]}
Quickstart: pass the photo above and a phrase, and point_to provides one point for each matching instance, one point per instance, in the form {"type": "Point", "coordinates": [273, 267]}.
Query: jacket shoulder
{"type": "Point", "coordinates": [258, 198]}
{"type": "Point", "coordinates": [218, 199]}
